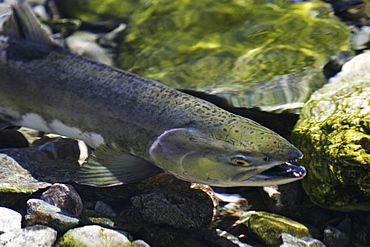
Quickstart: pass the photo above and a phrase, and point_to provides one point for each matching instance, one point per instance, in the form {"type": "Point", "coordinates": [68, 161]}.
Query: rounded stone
{"type": "Point", "coordinates": [93, 236]}
{"type": "Point", "coordinates": [268, 227]}
{"type": "Point", "coordinates": [333, 133]}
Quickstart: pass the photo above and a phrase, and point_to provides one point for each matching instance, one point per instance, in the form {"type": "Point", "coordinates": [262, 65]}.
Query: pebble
{"type": "Point", "coordinates": [93, 236]}
{"type": "Point", "coordinates": [268, 227]}
{"type": "Point", "coordinates": [41, 212]}
{"type": "Point", "coordinates": [16, 182]}
{"type": "Point", "coordinates": [12, 234]}
{"type": "Point", "coordinates": [173, 210]}
{"type": "Point", "coordinates": [290, 241]}
{"type": "Point", "coordinates": [32, 236]}
{"type": "Point", "coordinates": [10, 220]}
{"type": "Point", "coordinates": [139, 243]}
{"type": "Point", "coordinates": [336, 238]}
{"type": "Point", "coordinates": [65, 197]}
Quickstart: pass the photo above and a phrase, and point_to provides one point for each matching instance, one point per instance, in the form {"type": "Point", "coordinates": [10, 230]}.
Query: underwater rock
{"type": "Point", "coordinates": [10, 220]}
{"type": "Point", "coordinates": [12, 139]}
{"type": "Point", "coordinates": [85, 44]}
{"type": "Point", "coordinates": [224, 48]}
{"type": "Point", "coordinates": [173, 210]}
{"type": "Point", "coordinates": [139, 243]}
{"type": "Point", "coordinates": [41, 212]}
{"type": "Point", "coordinates": [288, 240]}
{"type": "Point", "coordinates": [15, 181]}
{"type": "Point", "coordinates": [93, 236]}
{"type": "Point", "coordinates": [65, 197]}
{"type": "Point", "coordinates": [167, 236]}
{"type": "Point", "coordinates": [335, 238]}
{"type": "Point", "coordinates": [11, 233]}
{"type": "Point", "coordinates": [268, 227]}
{"type": "Point", "coordinates": [138, 202]}
{"type": "Point", "coordinates": [333, 133]}
{"type": "Point", "coordinates": [336, 62]}
{"type": "Point", "coordinates": [32, 236]}
{"type": "Point", "coordinates": [51, 160]}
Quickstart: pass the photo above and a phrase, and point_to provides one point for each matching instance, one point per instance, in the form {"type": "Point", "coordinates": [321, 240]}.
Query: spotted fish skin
{"type": "Point", "coordinates": [125, 117]}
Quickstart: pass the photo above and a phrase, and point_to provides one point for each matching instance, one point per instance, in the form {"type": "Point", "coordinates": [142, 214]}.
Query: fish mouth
{"type": "Point", "coordinates": [280, 174]}
{"type": "Point", "coordinates": [285, 170]}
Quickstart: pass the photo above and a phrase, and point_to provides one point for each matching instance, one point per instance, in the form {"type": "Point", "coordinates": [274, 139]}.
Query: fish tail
{"type": "Point", "coordinates": [19, 22]}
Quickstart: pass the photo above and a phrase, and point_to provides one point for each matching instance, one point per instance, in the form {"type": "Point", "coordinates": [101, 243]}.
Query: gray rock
{"type": "Point", "coordinates": [41, 212]}
{"type": "Point", "coordinates": [49, 160]}
{"type": "Point", "coordinates": [15, 181]}
{"type": "Point", "coordinates": [335, 238]}
{"type": "Point", "coordinates": [93, 236]}
{"type": "Point", "coordinates": [174, 210]}
{"type": "Point", "coordinates": [139, 243]}
{"type": "Point", "coordinates": [104, 208]}
{"type": "Point", "coordinates": [32, 236]}
{"type": "Point", "coordinates": [65, 197]}
{"type": "Point", "coordinates": [10, 220]}
{"type": "Point", "coordinates": [85, 44]}
{"type": "Point", "coordinates": [12, 235]}
{"type": "Point", "coordinates": [290, 241]}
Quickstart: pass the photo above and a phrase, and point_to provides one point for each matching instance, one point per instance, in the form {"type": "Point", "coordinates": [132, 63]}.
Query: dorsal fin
{"type": "Point", "coordinates": [18, 21]}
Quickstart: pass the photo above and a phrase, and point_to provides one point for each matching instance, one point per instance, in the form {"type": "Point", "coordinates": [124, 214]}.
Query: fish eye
{"type": "Point", "coordinates": [239, 160]}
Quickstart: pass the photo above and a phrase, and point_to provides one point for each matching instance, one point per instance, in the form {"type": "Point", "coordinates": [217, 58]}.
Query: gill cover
{"type": "Point", "coordinates": [173, 145]}
{"type": "Point", "coordinates": [196, 156]}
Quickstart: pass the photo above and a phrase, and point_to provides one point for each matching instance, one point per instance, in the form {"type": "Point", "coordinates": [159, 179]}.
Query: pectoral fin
{"type": "Point", "coordinates": [109, 166]}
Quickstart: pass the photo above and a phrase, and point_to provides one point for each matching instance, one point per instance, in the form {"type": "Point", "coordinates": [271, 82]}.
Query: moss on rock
{"type": "Point", "coordinates": [334, 135]}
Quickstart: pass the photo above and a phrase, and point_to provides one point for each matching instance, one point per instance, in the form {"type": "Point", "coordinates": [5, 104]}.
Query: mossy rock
{"type": "Point", "coordinates": [16, 182]}
{"type": "Point", "coordinates": [333, 133]}
{"type": "Point", "coordinates": [224, 48]}
{"type": "Point", "coordinates": [268, 227]}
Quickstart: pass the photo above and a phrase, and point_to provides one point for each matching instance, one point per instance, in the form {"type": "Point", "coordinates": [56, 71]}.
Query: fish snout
{"type": "Point", "coordinates": [287, 154]}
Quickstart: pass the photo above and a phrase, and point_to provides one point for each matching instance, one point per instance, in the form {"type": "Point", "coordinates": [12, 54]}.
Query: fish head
{"type": "Point", "coordinates": [227, 157]}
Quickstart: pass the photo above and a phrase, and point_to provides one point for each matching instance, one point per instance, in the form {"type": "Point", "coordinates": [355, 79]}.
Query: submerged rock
{"type": "Point", "coordinates": [173, 210]}
{"type": "Point", "coordinates": [41, 212]}
{"type": "Point", "coordinates": [15, 181]}
{"type": "Point", "coordinates": [334, 134]}
{"type": "Point", "coordinates": [32, 236]}
{"type": "Point", "coordinates": [11, 233]}
{"type": "Point", "coordinates": [10, 220]}
{"type": "Point", "coordinates": [288, 240]}
{"type": "Point", "coordinates": [49, 160]}
{"type": "Point", "coordinates": [12, 139]}
{"type": "Point", "coordinates": [268, 227]}
{"type": "Point", "coordinates": [65, 197]}
{"type": "Point", "coordinates": [93, 236]}
{"type": "Point", "coordinates": [224, 48]}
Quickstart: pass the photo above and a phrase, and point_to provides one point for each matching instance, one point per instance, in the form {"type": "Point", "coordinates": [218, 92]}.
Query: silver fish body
{"type": "Point", "coordinates": [137, 126]}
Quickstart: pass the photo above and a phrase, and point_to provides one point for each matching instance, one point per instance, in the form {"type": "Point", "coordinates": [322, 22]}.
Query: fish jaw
{"type": "Point", "coordinates": [196, 156]}
{"type": "Point", "coordinates": [277, 175]}
{"type": "Point", "coordinates": [200, 168]}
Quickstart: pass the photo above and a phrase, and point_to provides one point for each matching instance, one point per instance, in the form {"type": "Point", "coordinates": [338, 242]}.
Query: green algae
{"type": "Point", "coordinates": [96, 10]}
{"type": "Point", "coordinates": [268, 227]}
{"type": "Point", "coordinates": [217, 46]}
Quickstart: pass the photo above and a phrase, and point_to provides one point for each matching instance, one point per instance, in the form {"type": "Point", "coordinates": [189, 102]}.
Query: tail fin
{"type": "Point", "coordinates": [19, 22]}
